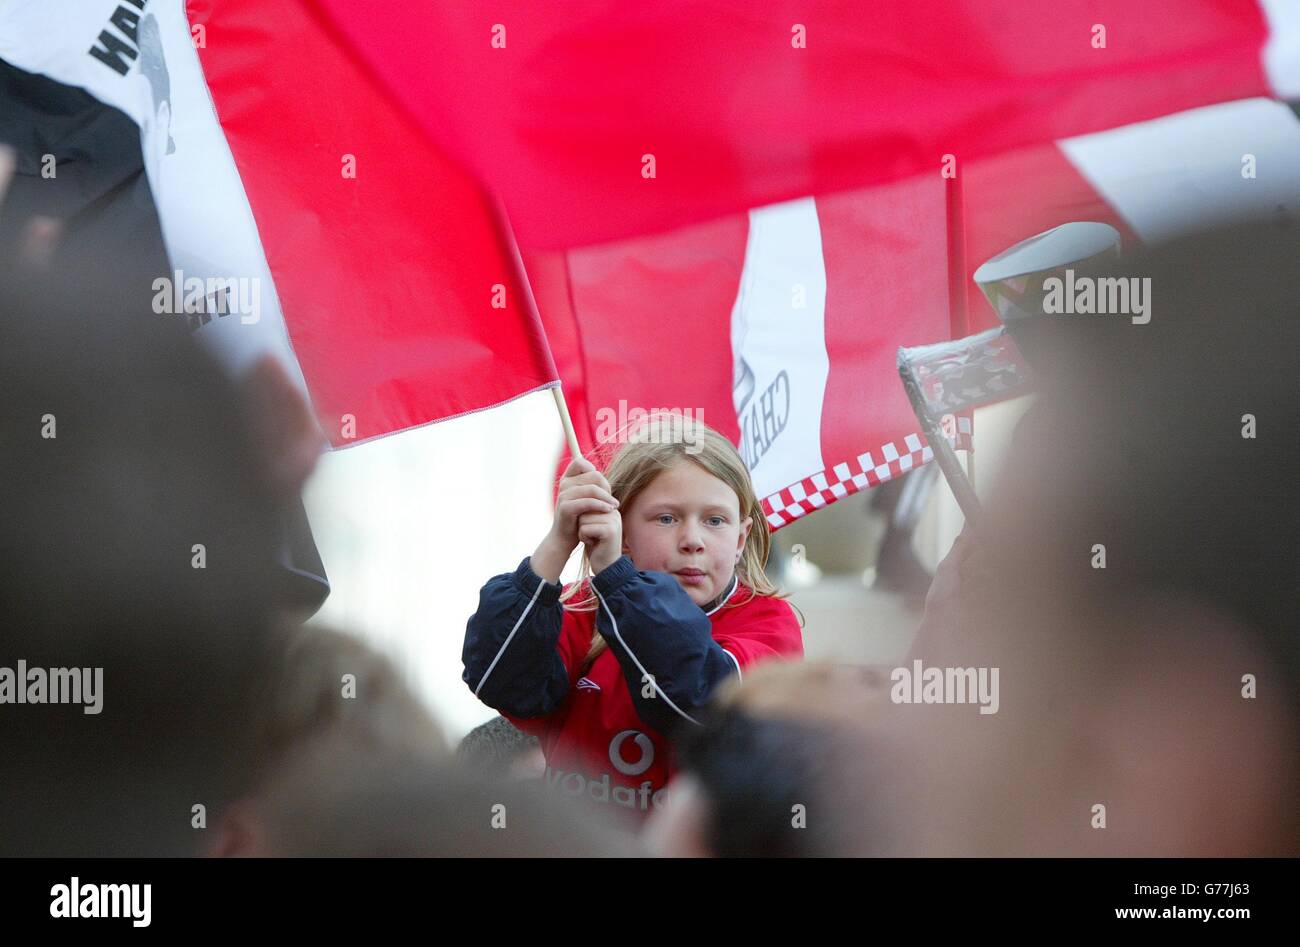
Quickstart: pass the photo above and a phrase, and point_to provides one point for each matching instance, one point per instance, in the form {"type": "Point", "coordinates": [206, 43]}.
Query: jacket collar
{"type": "Point", "coordinates": [717, 603]}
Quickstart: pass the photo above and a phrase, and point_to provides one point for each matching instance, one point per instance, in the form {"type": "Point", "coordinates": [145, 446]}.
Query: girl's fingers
{"type": "Point", "coordinates": [576, 514]}
{"type": "Point", "coordinates": [602, 522]}
{"type": "Point", "coordinates": [589, 490]}
{"type": "Point", "coordinates": [580, 483]}
{"type": "Point", "coordinates": [578, 466]}
{"type": "Point", "coordinates": [581, 505]}
{"type": "Point", "coordinates": [582, 471]}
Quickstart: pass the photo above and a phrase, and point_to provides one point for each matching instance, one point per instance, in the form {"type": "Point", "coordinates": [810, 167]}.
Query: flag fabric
{"type": "Point", "coordinates": [779, 328]}
{"type": "Point", "coordinates": [79, 162]}
{"type": "Point", "coordinates": [598, 120]}
{"type": "Point", "coordinates": [1152, 181]}
{"type": "Point", "coordinates": [739, 211]}
{"type": "Point", "coordinates": [790, 234]}
{"type": "Point", "coordinates": [50, 128]}
{"type": "Point", "coordinates": [303, 213]}
{"type": "Point", "coordinates": [833, 286]}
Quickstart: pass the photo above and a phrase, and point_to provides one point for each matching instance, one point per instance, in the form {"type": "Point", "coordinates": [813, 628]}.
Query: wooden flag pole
{"type": "Point", "coordinates": [506, 234]}
{"type": "Point", "coordinates": [569, 435]}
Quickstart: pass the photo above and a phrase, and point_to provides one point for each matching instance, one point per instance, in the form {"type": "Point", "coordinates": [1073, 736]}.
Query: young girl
{"type": "Point", "coordinates": [671, 600]}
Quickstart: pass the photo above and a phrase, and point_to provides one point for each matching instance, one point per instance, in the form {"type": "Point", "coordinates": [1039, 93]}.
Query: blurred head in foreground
{"type": "Point", "coordinates": [330, 799]}
{"type": "Point", "coordinates": [1137, 582]}
{"type": "Point", "coordinates": [347, 761]}
{"type": "Point", "coordinates": [320, 686]}
{"type": "Point", "coordinates": [499, 749]}
{"type": "Point", "coordinates": [789, 762]}
{"type": "Point", "coordinates": [136, 541]}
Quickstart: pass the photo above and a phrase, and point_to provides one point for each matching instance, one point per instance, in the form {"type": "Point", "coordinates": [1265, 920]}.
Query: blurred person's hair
{"type": "Point", "coordinates": [330, 800]}
{"type": "Point", "coordinates": [828, 692]}
{"type": "Point", "coordinates": [492, 748]}
{"type": "Point", "coordinates": [321, 686]}
{"type": "Point", "coordinates": [148, 461]}
{"type": "Point", "coordinates": [1139, 433]}
{"type": "Point", "coordinates": [306, 697]}
{"type": "Point", "coordinates": [1123, 684]}
{"type": "Point", "coordinates": [637, 454]}
{"type": "Point", "coordinates": [794, 735]}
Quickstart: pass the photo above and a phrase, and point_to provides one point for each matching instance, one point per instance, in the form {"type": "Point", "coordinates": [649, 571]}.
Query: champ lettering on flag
{"type": "Point", "coordinates": [781, 326]}
{"type": "Point", "coordinates": [834, 301]}
{"type": "Point", "coordinates": [395, 298]}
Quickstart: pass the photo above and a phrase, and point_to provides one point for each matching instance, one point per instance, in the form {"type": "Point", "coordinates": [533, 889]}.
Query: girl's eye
{"type": "Point", "coordinates": [664, 516]}
{"type": "Point", "coordinates": [720, 519]}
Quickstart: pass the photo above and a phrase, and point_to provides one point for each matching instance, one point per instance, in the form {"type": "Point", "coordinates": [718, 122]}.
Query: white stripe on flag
{"type": "Point", "coordinates": [204, 212]}
{"type": "Point", "coordinates": [1282, 50]}
{"type": "Point", "coordinates": [778, 342]}
{"type": "Point", "coordinates": [207, 224]}
{"type": "Point", "coordinates": [1187, 171]}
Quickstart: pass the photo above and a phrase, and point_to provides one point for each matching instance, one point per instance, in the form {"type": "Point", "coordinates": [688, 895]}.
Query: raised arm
{"type": "Point", "coordinates": [663, 643]}
{"type": "Point", "coordinates": [512, 662]}
{"type": "Point", "coordinates": [511, 658]}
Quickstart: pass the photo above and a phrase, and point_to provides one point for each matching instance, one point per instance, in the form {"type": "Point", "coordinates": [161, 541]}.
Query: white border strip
{"type": "Point", "coordinates": [509, 637]}
{"type": "Point", "coordinates": [635, 660]}
{"type": "Point", "coordinates": [735, 584]}
{"type": "Point", "coordinates": [1282, 51]}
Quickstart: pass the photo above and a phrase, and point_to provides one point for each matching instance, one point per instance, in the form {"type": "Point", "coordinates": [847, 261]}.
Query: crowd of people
{"type": "Point", "coordinates": [1148, 703]}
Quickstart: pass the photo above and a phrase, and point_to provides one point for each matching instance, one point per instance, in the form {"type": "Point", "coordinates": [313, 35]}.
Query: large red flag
{"type": "Point", "coordinates": [779, 328]}
{"type": "Point", "coordinates": [596, 119]}
{"type": "Point", "coordinates": [835, 284]}
{"type": "Point", "coordinates": [399, 287]}
{"type": "Point", "coordinates": [601, 124]}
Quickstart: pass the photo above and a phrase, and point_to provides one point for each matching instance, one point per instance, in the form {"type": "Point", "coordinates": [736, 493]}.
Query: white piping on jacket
{"type": "Point", "coordinates": [735, 582]}
{"type": "Point", "coordinates": [739, 676]}
{"type": "Point", "coordinates": [506, 643]}
{"type": "Point", "coordinates": [644, 673]}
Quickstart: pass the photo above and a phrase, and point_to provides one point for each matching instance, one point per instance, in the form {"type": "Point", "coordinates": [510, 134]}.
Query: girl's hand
{"type": "Point", "coordinates": [585, 512]}
{"type": "Point", "coordinates": [583, 492]}
{"type": "Point", "coordinates": [603, 535]}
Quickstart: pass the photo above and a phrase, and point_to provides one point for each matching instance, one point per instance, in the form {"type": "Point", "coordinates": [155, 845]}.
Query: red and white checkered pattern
{"type": "Point", "coordinates": [866, 470]}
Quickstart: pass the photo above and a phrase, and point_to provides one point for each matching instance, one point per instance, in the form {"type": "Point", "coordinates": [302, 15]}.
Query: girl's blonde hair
{"type": "Point", "coordinates": [648, 448]}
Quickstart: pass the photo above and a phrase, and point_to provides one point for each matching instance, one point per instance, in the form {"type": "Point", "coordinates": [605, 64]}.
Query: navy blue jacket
{"type": "Point", "coordinates": [524, 652]}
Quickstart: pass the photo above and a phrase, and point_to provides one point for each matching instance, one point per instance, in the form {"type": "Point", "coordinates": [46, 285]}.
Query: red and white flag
{"type": "Point", "coordinates": [781, 326]}
{"type": "Point", "coordinates": [597, 119]}
{"type": "Point", "coordinates": [657, 165]}
{"type": "Point", "coordinates": [335, 234]}
{"type": "Point", "coordinates": [1151, 181]}
{"type": "Point", "coordinates": [275, 153]}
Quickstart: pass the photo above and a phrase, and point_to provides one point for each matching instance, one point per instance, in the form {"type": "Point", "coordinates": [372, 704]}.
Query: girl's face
{"type": "Point", "coordinates": [687, 523]}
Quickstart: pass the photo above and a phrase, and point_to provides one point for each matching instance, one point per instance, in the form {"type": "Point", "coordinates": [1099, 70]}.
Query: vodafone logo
{"type": "Point", "coordinates": [642, 764]}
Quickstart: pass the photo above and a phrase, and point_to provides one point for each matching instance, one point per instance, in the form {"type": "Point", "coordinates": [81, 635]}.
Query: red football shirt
{"type": "Point", "coordinates": [596, 744]}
